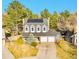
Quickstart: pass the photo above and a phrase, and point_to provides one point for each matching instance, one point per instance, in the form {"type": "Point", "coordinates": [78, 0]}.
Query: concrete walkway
{"type": "Point", "coordinates": [6, 54]}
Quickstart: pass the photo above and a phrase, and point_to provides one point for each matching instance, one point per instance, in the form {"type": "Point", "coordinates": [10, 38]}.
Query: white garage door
{"type": "Point", "coordinates": [51, 39]}
{"type": "Point", "coordinates": [43, 38]}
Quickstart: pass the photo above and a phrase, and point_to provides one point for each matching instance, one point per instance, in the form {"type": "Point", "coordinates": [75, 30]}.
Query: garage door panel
{"type": "Point", "coordinates": [43, 39]}
{"type": "Point", "coordinates": [51, 39]}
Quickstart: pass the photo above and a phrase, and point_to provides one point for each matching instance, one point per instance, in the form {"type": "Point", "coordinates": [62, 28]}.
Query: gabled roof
{"type": "Point", "coordinates": [35, 21]}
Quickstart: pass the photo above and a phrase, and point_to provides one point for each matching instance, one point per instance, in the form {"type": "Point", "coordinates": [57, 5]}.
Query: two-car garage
{"type": "Point", "coordinates": [47, 38]}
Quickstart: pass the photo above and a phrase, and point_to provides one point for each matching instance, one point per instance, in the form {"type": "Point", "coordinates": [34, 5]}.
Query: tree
{"type": "Point", "coordinates": [61, 23]}
{"type": "Point", "coordinates": [72, 21]}
{"type": "Point", "coordinates": [7, 22]}
{"type": "Point", "coordinates": [65, 14]}
{"type": "Point", "coordinates": [15, 12]}
{"type": "Point", "coordinates": [34, 16]}
{"type": "Point", "coordinates": [30, 38]}
{"type": "Point", "coordinates": [45, 13]}
{"type": "Point", "coordinates": [53, 20]}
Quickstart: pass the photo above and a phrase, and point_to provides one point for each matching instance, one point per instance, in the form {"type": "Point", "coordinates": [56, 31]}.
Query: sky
{"type": "Point", "coordinates": [36, 6]}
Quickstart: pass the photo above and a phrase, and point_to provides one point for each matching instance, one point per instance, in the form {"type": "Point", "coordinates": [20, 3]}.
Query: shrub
{"type": "Point", "coordinates": [68, 50]}
{"type": "Point", "coordinates": [34, 44]}
{"type": "Point", "coordinates": [8, 34]}
{"type": "Point", "coordinates": [23, 50]}
{"type": "Point", "coordinates": [34, 51]}
{"type": "Point", "coordinates": [30, 39]}
{"type": "Point", "coordinates": [19, 40]}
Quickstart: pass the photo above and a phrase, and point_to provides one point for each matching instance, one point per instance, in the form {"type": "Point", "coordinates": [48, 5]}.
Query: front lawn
{"type": "Point", "coordinates": [65, 50]}
{"type": "Point", "coordinates": [20, 49]}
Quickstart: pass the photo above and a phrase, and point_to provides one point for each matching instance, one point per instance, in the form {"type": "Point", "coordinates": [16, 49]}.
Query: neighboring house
{"type": "Point", "coordinates": [40, 29]}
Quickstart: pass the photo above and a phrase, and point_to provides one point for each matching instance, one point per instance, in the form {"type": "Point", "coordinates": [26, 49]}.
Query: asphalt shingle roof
{"type": "Point", "coordinates": [35, 21]}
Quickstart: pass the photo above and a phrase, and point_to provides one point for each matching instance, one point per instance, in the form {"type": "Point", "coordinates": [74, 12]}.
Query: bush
{"type": "Point", "coordinates": [8, 34]}
{"type": "Point", "coordinates": [34, 44]}
{"type": "Point", "coordinates": [30, 39]}
{"type": "Point", "coordinates": [68, 50]}
{"type": "Point", "coordinates": [23, 50]}
{"type": "Point", "coordinates": [19, 40]}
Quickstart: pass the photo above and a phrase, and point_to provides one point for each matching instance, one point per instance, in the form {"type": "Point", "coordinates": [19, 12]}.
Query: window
{"type": "Point", "coordinates": [38, 29]}
{"type": "Point", "coordinates": [44, 28]}
{"type": "Point", "coordinates": [26, 29]}
{"type": "Point", "coordinates": [32, 29]}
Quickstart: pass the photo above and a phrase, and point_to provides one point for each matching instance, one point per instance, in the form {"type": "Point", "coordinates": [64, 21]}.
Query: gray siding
{"type": "Point", "coordinates": [43, 27]}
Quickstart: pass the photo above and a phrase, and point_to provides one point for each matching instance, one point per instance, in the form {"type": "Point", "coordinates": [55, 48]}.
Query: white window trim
{"type": "Point", "coordinates": [38, 26]}
{"type": "Point", "coordinates": [26, 26]}
{"type": "Point", "coordinates": [44, 26]}
{"type": "Point", "coordinates": [32, 26]}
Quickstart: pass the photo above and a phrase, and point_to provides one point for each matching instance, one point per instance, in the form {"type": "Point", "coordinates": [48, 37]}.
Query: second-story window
{"type": "Point", "coordinates": [26, 29]}
{"type": "Point", "coordinates": [32, 29]}
{"type": "Point", "coordinates": [38, 29]}
{"type": "Point", "coordinates": [44, 29]}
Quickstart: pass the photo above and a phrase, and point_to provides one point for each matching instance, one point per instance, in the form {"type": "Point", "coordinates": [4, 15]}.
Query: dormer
{"type": "Point", "coordinates": [38, 28]}
{"type": "Point", "coordinates": [32, 28]}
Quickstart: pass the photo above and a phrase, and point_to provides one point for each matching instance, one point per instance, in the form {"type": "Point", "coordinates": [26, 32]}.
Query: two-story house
{"type": "Point", "coordinates": [40, 29]}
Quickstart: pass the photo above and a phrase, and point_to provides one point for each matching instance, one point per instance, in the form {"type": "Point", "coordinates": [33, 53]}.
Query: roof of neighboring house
{"type": "Point", "coordinates": [49, 33]}
{"type": "Point", "coordinates": [35, 21]}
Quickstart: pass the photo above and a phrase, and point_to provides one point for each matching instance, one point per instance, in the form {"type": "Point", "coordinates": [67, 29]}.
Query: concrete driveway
{"type": "Point", "coordinates": [47, 51]}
